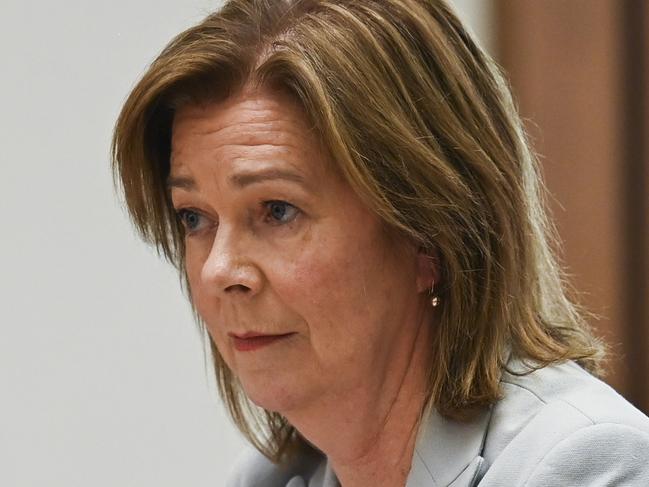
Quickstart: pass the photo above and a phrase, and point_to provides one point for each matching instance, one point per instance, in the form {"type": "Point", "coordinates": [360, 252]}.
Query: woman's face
{"type": "Point", "coordinates": [278, 244]}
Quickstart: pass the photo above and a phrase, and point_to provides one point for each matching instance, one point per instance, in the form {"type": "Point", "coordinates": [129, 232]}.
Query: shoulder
{"type": "Point", "coordinates": [561, 426]}
{"type": "Point", "coordinates": [252, 469]}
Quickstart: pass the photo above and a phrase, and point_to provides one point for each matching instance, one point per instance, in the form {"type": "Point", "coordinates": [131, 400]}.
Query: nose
{"type": "Point", "coordinates": [228, 270]}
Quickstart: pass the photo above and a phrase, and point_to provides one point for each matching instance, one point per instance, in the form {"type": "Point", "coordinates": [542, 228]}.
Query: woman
{"type": "Point", "coordinates": [348, 192]}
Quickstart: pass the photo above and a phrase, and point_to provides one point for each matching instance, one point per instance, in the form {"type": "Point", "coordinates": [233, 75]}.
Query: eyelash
{"type": "Point", "coordinates": [268, 203]}
{"type": "Point", "coordinates": [184, 213]}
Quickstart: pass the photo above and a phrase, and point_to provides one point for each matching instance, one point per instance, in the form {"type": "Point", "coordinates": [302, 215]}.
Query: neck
{"type": "Point", "coordinates": [369, 436]}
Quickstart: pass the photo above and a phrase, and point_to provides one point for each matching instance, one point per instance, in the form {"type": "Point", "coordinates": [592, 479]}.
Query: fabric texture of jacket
{"type": "Point", "coordinates": [557, 426]}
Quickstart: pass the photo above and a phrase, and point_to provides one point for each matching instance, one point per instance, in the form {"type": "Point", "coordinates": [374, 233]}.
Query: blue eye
{"type": "Point", "coordinates": [281, 211]}
{"type": "Point", "coordinates": [190, 219]}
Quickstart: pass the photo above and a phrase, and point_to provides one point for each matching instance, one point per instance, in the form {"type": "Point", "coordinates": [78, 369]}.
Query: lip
{"type": "Point", "coordinates": [250, 341]}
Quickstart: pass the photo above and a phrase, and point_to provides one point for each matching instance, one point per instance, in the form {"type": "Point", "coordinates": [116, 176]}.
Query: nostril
{"type": "Point", "coordinates": [237, 288]}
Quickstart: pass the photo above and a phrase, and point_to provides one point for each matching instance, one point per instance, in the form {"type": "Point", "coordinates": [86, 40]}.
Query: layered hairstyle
{"type": "Point", "coordinates": [421, 124]}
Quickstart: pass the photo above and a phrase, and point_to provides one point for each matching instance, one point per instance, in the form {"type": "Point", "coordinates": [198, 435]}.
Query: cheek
{"type": "Point", "coordinates": [322, 270]}
{"type": "Point", "coordinates": [338, 289]}
{"type": "Point", "coordinates": [195, 258]}
{"type": "Point", "coordinates": [193, 266]}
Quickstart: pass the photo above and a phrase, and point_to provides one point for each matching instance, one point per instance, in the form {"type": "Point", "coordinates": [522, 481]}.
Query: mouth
{"type": "Point", "coordinates": [250, 341]}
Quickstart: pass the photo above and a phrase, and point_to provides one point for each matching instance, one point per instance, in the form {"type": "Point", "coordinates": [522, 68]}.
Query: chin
{"type": "Point", "coordinates": [272, 395]}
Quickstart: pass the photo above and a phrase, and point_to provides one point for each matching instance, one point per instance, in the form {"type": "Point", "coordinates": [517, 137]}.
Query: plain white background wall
{"type": "Point", "coordinates": [102, 372]}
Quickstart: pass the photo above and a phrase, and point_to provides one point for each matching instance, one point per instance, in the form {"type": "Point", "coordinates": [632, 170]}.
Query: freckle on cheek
{"type": "Point", "coordinates": [307, 237]}
{"type": "Point", "coordinates": [307, 276]}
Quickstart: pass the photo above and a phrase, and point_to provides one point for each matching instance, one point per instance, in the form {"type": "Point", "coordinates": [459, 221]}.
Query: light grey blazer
{"type": "Point", "coordinates": [558, 426]}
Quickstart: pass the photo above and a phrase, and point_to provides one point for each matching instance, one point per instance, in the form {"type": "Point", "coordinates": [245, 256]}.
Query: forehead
{"type": "Point", "coordinates": [250, 129]}
{"type": "Point", "coordinates": [269, 110]}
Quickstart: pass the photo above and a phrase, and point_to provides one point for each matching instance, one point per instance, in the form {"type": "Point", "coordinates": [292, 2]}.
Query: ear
{"type": "Point", "coordinates": [428, 269]}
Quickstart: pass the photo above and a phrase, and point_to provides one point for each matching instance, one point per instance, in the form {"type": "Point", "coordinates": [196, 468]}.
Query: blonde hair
{"type": "Point", "coordinates": [421, 124]}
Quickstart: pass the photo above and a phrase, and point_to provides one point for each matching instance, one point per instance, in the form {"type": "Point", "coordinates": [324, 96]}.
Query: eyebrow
{"type": "Point", "coordinates": [241, 180]}
{"type": "Point", "coordinates": [181, 183]}
{"type": "Point", "coordinates": [244, 179]}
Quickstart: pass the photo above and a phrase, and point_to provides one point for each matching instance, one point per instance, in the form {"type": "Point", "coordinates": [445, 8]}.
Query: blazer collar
{"type": "Point", "coordinates": [448, 453]}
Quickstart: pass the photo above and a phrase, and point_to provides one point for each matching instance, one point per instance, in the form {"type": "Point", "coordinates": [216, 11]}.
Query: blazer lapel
{"type": "Point", "coordinates": [448, 453]}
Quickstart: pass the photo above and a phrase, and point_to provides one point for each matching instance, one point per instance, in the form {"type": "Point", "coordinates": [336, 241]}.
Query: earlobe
{"type": "Point", "coordinates": [428, 269]}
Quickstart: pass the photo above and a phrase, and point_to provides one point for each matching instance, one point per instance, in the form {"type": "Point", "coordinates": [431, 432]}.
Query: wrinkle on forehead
{"type": "Point", "coordinates": [260, 116]}
{"type": "Point", "coordinates": [257, 106]}
{"type": "Point", "coordinates": [261, 125]}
